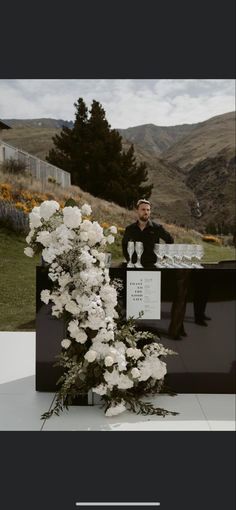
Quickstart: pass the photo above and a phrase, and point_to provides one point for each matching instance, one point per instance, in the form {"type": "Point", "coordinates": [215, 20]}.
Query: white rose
{"type": "Point", "coordinates": [135, 373]}
{"type": "Point", "coordinates": [48, 254]}
{"type": "Point", "coordinates": [159, 370]}
{"type": "Point", "coordinates": [72, 217]}
{"type": "Point", "coordinates": [113, 229]}
{"type": "Point", "coordinates": [48, 208]}
{"type": "Point", "coordinates": [86, 210]}
{"type": "Point", "coordinates": [113, 410]}
{"type": "Point", "coordinates": [29, 252]}
{"type": "Point", "coordinates": [45, 296]}
{"type": "Point", "coordinates": [66, 343]}
{"type": "Point", "coordinates": [73, 328]}
{"type": "Point", "coordinates": [101, 389]}
{"type": "Point", "coordinates": [124, 382]}
{"type": "Point", "coordinates": [90, 356]}
{"type": "Point", "coordinates": [81, 336]}
{"type": "Point", "coordinates": [110, 239]}
{"type": "Point", "coordinates": [109, 361]}
{"type": "Point", "coordinates": [133, 353]}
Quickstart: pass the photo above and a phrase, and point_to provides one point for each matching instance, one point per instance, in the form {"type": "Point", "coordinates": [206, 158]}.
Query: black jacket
{"type": "Point", "coordinates": [150, 235]}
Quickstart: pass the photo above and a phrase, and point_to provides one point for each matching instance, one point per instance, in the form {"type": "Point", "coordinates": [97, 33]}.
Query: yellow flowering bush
{"type": "Point", "coordinates": [5, 191]}
{"type": "Point", "coordinates": [211, 239]}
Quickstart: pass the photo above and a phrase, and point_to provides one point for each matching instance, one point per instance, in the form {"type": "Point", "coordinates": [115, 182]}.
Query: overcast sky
{"type": "Point", "coordinates": [127, 102]}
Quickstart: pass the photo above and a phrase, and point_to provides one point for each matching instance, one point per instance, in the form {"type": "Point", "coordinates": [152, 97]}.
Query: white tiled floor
{"type": "Point", "coordinates": [21, 406]}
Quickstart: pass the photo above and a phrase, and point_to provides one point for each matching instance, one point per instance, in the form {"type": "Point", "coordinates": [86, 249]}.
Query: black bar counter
{"type": "Point", "coordinates": [206, 357]}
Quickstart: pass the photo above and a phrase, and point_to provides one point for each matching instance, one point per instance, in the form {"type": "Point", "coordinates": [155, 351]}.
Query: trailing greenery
{"type": "Point", "coordinates": [79, 377]}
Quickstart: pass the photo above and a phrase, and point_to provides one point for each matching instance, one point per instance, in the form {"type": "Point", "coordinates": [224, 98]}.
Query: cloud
{"type": "Point", "coordinates": [126, 102]}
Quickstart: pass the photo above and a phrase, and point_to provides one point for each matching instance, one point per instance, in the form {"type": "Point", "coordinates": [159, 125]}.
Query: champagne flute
{"type": "Point", "coordinates": [170, 253]}
{"type": "Point", "coordinates": [108, 259]}
{"type": "Point", "coordinates": [199, 254]}
{"type": "Point", "coordinates": [130, 249]}
{"type": "Point", "coordinates": [158, 263]}
{"type": "Point", "coordinates": [162, 253]}
{"type": "Point", "coordinates": [139, 251]}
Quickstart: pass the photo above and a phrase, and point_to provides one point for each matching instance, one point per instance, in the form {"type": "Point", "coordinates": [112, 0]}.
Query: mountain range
{"type": "Point", "coordinates": [192, 166]}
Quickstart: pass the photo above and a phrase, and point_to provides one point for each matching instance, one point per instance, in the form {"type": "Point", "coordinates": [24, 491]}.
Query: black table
{"type": "Point", "coordinates": [206, 356]}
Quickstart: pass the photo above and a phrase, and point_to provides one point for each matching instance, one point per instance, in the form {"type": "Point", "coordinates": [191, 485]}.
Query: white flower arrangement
{"type": "Point", "coordinates": [99, 353]}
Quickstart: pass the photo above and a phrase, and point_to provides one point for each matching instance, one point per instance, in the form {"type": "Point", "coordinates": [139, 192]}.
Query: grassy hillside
{"type": "Point", "coordinates": [205, 140]}
{"type": "Point", "coordinates": [35, 140]}
{"type": "Point", "coordinates": [17, 290]}
{"type": "Point", "coordinates": [172, 200]}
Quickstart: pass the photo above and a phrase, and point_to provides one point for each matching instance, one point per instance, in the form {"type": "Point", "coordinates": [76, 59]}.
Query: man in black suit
{"type": "Point", "coordinates": [146, 231]}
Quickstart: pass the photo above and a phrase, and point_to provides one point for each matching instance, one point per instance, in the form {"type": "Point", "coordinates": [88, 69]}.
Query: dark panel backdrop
{"type": "Point", "coordinates": [117, 39]}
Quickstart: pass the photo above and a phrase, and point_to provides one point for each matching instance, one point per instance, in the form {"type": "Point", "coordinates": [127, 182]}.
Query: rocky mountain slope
{"type": "Point", "coordinates": [213, 183]}
{"type": "Point", "coordinates": [206, 140]}
{"type": "Point", "coordinates": [156, 138]}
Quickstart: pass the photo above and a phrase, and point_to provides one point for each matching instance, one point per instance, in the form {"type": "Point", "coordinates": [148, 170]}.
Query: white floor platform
{"type": "Point", "coordinates": [21, 406]}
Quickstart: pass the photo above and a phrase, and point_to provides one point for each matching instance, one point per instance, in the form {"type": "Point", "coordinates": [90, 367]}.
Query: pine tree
{"type": "Point", "coordinates": [92, 152]}
{"type": "Point", "coordinates": [70, 149]}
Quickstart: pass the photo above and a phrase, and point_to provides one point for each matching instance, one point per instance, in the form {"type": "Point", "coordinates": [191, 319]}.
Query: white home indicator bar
{"type": "Point", "coordinates": [150, 503]}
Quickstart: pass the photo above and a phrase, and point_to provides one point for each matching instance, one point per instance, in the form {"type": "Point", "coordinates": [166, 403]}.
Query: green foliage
{"type": "Point", "coordinates": [71, 203]}
{"type": "Point", "coordinates": [92, 152]}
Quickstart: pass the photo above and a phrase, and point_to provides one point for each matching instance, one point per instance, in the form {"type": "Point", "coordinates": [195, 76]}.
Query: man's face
{"type": "Point", "coordinates": [143, 212]}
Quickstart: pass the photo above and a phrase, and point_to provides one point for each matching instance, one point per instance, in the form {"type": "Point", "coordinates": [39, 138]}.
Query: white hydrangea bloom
{"type": "Point", "coordinates": [44, 237]}
{"type": "Point", "coordinates": [72, 217]}
{"type": "Point", "coordinates": [86, 210]}
{"type": "Point", "coordinates": [34, 220]}
{"type": "Point", "coordinates": [30, 236]}
{"type": "Point", "coordinates": [48, 208]}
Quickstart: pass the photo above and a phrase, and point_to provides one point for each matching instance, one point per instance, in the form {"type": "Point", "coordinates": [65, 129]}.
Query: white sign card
{"type": "Point", "coordinates": [143, 294]}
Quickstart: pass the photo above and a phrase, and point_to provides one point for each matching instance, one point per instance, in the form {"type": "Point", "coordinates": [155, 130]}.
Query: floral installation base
{"type": "Point", "coordinates": [102, 352]}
